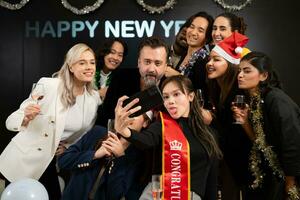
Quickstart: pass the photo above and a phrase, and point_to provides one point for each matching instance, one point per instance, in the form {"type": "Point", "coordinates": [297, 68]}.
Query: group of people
{"type": "Point", "coordinates": [203, 147]}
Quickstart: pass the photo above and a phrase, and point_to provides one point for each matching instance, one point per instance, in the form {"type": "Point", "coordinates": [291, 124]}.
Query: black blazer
{"type": "Point", "coordinates": [78, 158]}
{"type": "Point", "coordinates": [282, 129]}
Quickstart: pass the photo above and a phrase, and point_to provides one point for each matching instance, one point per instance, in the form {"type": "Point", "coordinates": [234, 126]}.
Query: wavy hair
{"type": "Point", "coordinates": [220, 90]}
{"type": "Point", "coordinates": [67, 77]}
{"type": "Point", "coordinates": [106, 49]}
{"type": "Point", "coordinates": [236, 23]}
{"type": "Point", "coordinates": [210, 20]}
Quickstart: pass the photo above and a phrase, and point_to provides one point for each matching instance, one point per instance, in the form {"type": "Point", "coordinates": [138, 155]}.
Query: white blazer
{"type": "Point", "coordinates": [32, 149]}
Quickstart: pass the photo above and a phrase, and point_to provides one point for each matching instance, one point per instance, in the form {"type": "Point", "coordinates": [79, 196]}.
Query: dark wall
{"type": "Point", "coordinates": [24, 57]}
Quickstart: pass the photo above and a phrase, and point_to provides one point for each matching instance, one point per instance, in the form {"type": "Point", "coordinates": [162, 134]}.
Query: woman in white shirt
{"type": "Point", "coordinates": [46, 128]}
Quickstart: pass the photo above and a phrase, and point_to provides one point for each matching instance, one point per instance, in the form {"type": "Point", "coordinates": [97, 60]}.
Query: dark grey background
{"type": "Point", "coordinates": [272, 28]}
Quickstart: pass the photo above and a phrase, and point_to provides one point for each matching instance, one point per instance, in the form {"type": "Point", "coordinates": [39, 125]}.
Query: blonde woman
{"type": "Point", "coordinates": [46, 128]}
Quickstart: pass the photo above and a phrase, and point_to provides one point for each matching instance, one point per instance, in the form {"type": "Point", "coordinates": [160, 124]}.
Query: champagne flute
{"type": "Point", "coordinates": [37, 92]}
{"type": "Point", "coordinates": [111, 128]}
{"type": "Point", "coordinates": [239, 101]}
{"type": "Point", "coordinates": [111, 125]}
{"type": "Point", "coordinates": [156, 185]}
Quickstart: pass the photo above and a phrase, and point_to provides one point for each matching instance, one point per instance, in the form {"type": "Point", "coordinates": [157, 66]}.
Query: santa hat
{"type": "Point", "coordinates": [231, 48]}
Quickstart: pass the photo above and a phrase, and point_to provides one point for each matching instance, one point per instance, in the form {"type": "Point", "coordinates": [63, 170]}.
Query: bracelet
{"type": "Point", "coordinates": [293, 193]}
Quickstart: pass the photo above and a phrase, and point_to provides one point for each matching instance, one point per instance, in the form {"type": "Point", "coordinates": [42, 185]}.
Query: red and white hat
{"type": "Point", "coordinates": [231, 48]}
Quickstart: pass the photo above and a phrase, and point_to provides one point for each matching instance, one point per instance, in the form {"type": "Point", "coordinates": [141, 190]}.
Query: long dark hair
{"type": "Point", "coordinates": [263, 63]}
{"type": "Point", "coordinates": [106, 49]}
{"type": "Point", "coordinates": [195, 119]}
{"type": "Point", "coordinates": [236, 23]}
{"type": "Point", "coordinates": [219, 91]}
{"type": "Point", "coordinates": [210, 21]}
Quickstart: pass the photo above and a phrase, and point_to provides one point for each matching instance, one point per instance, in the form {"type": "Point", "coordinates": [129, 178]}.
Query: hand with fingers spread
{"type": "Point", "coordinates": [30, 112]}
{"type": "Point", "coordinates": [114, 145]}
{"type": "Point", "coordinates": [240, 114]}
{"type": "Point", "coordinates": [122, 119]}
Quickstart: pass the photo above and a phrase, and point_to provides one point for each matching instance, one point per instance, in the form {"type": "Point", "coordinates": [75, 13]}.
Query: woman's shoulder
{"type": "Point", "coordinates": [277, 97]}
{"type": "Point", "coordinates": [49, 80]}
{"type": "Point", "coordinates": [49, 84]}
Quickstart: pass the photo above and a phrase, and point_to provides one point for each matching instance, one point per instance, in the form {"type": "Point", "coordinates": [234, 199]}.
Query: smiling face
{"type": "Point", "coordinates": [84, 69]}
{"type": "Point", "coordinates": [221, 29]}
{"type": "Point", "coordinates": [115, 57]}
{"type": "Point", "coordinates": [152, 64]}
{"type": "Point", "coordinates": [249, 77]}
{"type": "Point", "coordinates": [195, 33]}
{"type": "Point", "coordinates": [216, 66]}
{"type": "Point", "coordinates": [176, 101]}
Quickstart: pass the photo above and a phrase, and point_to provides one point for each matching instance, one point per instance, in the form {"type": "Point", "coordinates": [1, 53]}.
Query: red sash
{"type": "Point", "coordinates": [175, 161]}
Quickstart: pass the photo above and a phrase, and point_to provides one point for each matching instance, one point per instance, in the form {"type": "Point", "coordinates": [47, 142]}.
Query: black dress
{"type": "Point", "coordinates": [233, 140]}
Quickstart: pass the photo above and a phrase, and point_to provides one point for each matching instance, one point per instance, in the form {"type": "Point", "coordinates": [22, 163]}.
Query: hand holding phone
{"type": "Point", "coordinates": [148, 99]}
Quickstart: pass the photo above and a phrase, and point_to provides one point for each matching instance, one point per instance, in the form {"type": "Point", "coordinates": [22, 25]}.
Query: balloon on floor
{"type": "Point", "coordinates": [25, 189]}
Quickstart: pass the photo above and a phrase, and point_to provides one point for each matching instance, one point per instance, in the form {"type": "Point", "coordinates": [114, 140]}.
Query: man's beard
{"type": "Point", "coordinates": [150, 79]}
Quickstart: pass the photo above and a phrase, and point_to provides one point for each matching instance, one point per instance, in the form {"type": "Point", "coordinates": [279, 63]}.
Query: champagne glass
{"type": "Point", "coordinates": [239, 101]}
{"type": "Point", "coordinates": [111, 125]}
{"type": "Point", "coordinates": [200, 97]}
{"type": "Point", "coordinates": [37, 92]}
{"type": "Point", "coordinates": [111, 128]}
{"type": "Point", "coordinates": [156, 185]}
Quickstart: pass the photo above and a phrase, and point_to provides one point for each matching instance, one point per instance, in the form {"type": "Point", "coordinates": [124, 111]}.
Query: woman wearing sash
{"type": "Point", "coordinates": [189, 152]}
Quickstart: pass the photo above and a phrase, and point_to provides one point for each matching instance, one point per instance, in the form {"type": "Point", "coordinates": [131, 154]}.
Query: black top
{"type": "Point", "coordinates": [203, 169]}
{"type": "Point", "coordinates": [282, 129]}
{"type": "Point", "coordinates": [196, 70]}
{"type": "Point", "coordinates": [233, 140]}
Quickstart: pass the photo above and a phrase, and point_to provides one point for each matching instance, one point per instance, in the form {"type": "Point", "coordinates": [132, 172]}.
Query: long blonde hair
{"type": "Point", "coordinates": [73, 55]}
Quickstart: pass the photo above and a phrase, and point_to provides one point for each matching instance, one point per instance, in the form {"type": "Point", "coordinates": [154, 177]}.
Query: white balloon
{"type": "Point", "coordinates": [25, 189]}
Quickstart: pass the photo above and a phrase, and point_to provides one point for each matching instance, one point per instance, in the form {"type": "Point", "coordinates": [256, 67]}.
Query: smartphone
{"type": "Point", "coordinates": [148, 99]}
